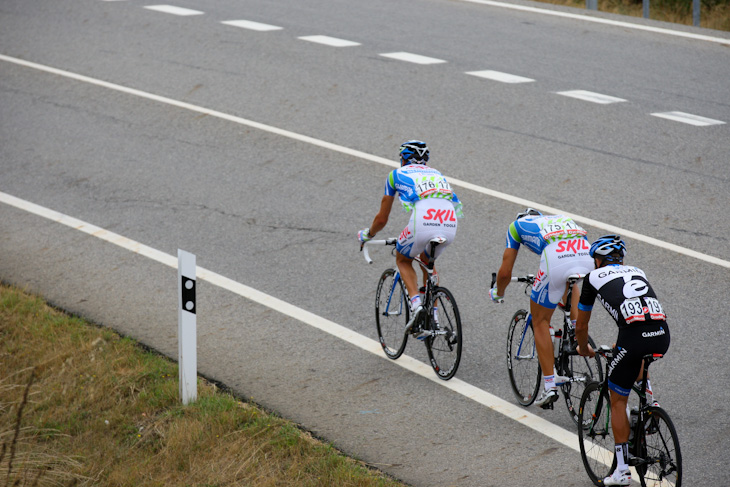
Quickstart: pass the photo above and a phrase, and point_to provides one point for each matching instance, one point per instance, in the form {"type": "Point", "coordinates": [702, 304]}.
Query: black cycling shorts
{"type": "Point", "coordinates": [635, 341]}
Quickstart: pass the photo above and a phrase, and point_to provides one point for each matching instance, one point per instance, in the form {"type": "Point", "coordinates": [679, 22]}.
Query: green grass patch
{"type": "Point", "coordinates": [80, 405]}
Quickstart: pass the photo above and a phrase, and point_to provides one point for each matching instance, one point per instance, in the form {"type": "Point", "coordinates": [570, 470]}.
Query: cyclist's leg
{"type": "Point", "coordinates": [619, 420]}
{"type": "Point", "coordinates": [542, 308]}
{"type": "Point", "coordinates": [407, 273]}
{"type": "Point", "coordinates": [543, 343]}
{"type": "Point", "coordinates": [406, 249]}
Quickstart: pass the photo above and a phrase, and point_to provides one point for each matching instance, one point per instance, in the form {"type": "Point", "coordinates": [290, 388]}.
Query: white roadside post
{"type": "Point", "coordinates": [187, 327]}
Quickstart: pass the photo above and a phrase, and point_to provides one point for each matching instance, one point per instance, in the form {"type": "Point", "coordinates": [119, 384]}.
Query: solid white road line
{"type": "Point", "coordinates": [499, 76]}
{"type": "Point", "coordinates": [590, 96]}
{"type": "Point", "coordinates": [329, 41]}
{"type": "Point", "coordinates": [370, 157]}
{"type": "Point", "coordinates": [247, 24]}
{"type": "Point", "coordinates": [170, 9]}
{"type": "Point", "coordinates": [412, 58]}
{"type": "Point", "coordinates": [599, 20]}
{"type": "Point", "coordinates": [480, 396]}
{"type": "Point", "coordinates": [688, 118]}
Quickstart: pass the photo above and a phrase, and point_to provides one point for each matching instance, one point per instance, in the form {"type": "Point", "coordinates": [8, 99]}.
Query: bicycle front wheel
{"type": "Point", "coordinates": [595, 437]}
{"type": "Point", "coordinates": [580, 370]}
{"type": "Point", "coordinates": [444, 346]}
{"type": "Point", "coordinates": [391, 313]}
{"type": "Point", "coordinates": [522, 362]}
{"type": "Point", "coordinates": [659, 446]}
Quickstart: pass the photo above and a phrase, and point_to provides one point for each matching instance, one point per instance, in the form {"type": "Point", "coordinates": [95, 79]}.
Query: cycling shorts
{"type": "Point", "coordinates": [559, 260]}
{"type": "Point", "coordinates": [632, 344]}
{"type": "Point", "coordinates": [432, 217]}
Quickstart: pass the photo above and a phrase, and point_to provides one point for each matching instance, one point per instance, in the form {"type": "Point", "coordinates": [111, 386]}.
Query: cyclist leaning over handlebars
{"type": "Point", "coordinates": [642, 329]}
{"type": "Point", "coordinates": [434, 208]}
{"type": "Point", "coordinates": [562, 247]}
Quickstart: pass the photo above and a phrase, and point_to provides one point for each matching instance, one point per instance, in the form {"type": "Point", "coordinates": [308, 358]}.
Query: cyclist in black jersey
{"type": "Point", "coordinates": [642, 329]}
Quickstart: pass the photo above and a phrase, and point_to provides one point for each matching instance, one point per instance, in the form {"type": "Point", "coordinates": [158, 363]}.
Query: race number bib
{"type": "Point", "coordinates": [561, 228]}
{"type": "Point", "coordinates": [432, 187]}
{"type": "Point", "coordinates": [656, 312]}
{"type": "Point", "coordinates": [633, 310]}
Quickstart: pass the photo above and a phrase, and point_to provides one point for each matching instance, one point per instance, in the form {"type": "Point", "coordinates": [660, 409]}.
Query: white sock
{"type": "Point", "coordinates": [550, 382]}
{"type": "Point", "coordinates": [415, 302]}
{"type": "Point", "coordinates": [622, 453]}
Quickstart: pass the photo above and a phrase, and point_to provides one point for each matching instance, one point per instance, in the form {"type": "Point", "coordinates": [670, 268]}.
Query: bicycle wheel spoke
{"type": "Point", "coordinates": [580, 370]}
{"type": "Point", "coordinates": [522, 363]}
{"type": "Point", "coordinates": [595, 438]}
{"type": "Point", "coordinates": [660, 446]}
{"type": "Point", "coordinates": [444, 346]}
{"type": "Point", "coordinates": [391, 313]}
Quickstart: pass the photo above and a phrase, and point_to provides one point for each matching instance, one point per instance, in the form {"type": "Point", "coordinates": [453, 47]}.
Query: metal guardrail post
{"type": "Point", "coordinates": [592, 4]}
{"type": "Point", "coordinates": [696, 13]}
{"type": "Point", "coordinates": [646, 8]}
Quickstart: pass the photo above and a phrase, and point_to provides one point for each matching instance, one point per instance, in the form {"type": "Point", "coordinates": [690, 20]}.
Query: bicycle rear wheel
{"type": "Point", "coordinates": [659, 446]}
{"type": "Point", "coordinates": [444, 347]}
{"type": "Point", "coordinates": [522, 363]}
{"type": "Point", "coordinates": [391, 313]}
{"type": "Point", "coordinates": [581, 371]}
{"type": "Point", "coordinates": [595, 437]}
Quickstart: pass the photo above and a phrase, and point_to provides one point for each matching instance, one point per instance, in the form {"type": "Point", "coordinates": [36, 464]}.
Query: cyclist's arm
{"type": "Point", "coordinates": [504, 274]}
{"type": "Point", "coordinates": [381, 219]}
{"type": "Point", "coordinates": [585, 306]}
{"type": "Point", "coordinates": [581, 332]}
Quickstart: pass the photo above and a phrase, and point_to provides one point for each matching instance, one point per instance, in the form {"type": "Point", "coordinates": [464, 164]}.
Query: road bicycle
{"type": "Point", "coordinates": [439, 326]}
{"type": "Point", "coordinates": [653, 445]}
{"type": "Point", "coordinates": [572, 371]}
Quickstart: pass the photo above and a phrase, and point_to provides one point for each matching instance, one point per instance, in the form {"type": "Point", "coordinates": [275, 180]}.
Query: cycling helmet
{"type": "Point", "coordinates": [413, 152]}
{"type": "Point", "coordinates": [528, 212]}
{"type": "Point", "coordinates": [608, 245]}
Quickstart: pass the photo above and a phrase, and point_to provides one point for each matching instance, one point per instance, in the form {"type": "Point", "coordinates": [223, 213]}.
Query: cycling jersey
{"type": "Point", "coordinates": [434, 207]}
{"type": "Point", "coordinates": [537, 232]}
{"type": "Point", "coordinates": [416, 182]}
{"type": "Point", "coordinates": [630, 300]}
{"type": "Point", "coordinates": [563, 251]}
{"type": "Point", "coordinates": [624, 292]}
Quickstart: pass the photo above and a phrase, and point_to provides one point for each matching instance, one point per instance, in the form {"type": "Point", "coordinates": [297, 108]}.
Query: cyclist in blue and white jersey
{"type": "Point", "coordinates": [434, 207]}
{"type": "Point", "coordinates": [642, 329]}
{"type": "Point", "coordinates": [563, 251]}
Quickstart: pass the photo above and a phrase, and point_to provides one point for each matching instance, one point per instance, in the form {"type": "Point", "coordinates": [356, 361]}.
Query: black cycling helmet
{"type": "Point", "coordinates": [528, 212]}
{"type": "Point", "coordinates": [608, 247]}
{"type": "Point", "coordinates": [413, 152]}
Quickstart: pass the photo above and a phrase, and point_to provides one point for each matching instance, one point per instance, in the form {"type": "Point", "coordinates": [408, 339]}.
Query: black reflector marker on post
{"type": "Point", "coordinates": [187, 327]}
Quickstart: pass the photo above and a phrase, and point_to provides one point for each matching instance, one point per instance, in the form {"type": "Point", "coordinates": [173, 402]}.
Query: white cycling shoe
{"type": "Point", "coordinates": [414, 318]}
{"type": "Point", "coordinates": [547, 399]}
{"type": "Point", "coordinates": [618, 478]}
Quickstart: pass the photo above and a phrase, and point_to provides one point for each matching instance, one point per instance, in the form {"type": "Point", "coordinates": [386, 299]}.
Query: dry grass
{"type": "Point", "coordinates": [714, 14]}
{"type": "Point", "coordinates": [81, 406]}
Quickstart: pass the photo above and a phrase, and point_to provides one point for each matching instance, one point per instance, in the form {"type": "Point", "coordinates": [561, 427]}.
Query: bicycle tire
{"type": "Point", "coordinates": [585, 369]}
{"type": "Point", "coordinates": [391, 313]}
{"type": "Point", "coordinates": [523, 365]}
{"type": "Point", "coordinates": [658, 446]}
{"type": "Point", "coordinates": [596, 437]}
{"type": "Point", "coordinates": [444, 347]}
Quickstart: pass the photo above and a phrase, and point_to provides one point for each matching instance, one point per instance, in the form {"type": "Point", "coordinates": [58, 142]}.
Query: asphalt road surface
{"type": "Point", "coordinates": [129, 131]}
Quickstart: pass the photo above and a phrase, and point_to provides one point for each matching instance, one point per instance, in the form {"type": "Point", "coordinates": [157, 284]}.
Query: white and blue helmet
{"type": "Point", "coordinates": [413, 152]}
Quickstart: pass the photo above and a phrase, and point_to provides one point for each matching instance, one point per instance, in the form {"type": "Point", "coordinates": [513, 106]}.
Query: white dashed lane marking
{"type": "Point", "coordinates": [695, 120]}
{"type": "Point", "coordinates": [171, 9]}
{"type": "Point", "coordinates": [590, 96]}
{"type": "Point", "coordinates": [330, 41]}
{"type": "Point", "coordinates": [499, 76]}
{"type": "Point", "coordinates": [687, 118]}
{"type": "Point", "coordinates": [412, 58]}
{"type": "Point", "coordinates": [247, 24]}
